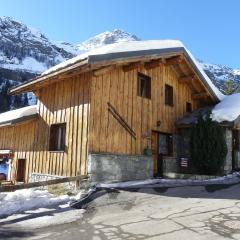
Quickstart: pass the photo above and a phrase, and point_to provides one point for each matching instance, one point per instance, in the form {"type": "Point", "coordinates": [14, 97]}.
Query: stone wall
{"type": "Point", "coordinates": [119, 167]}
{"type": "Point", "coordinates": [170, 165]}
{"type": "Point", "coordinates": [228, 162]}
{"type": "Point", "coordinates": [236, 159]}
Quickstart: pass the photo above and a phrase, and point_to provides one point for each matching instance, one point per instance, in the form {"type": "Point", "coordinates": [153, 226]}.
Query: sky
{"type": "Point", "coordinates": [208, 28]}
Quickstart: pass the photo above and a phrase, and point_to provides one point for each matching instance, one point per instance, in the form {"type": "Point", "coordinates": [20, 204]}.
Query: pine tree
{"type": "Point", "coordinates": [5, 98]}
{"type": "Point", "coordinates": [230, 87]}
{"type": "Point", "coordinates": [208, 146]}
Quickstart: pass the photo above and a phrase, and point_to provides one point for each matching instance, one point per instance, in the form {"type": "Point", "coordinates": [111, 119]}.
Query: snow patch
{"type": "Point", "coordinates": [27, 199]}
{"type": "Point", "coordinates": [228, 109]}
{"type": "Point", "coordinates": [28, 63]}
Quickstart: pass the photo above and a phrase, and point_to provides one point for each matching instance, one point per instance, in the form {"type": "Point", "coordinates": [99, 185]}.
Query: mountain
{"type": "Point", "coordinates": [25, 52]}
{"type": "Point", "coordinates": [219, 74]}
{"type": "Point", "coordinates": [115, 36]}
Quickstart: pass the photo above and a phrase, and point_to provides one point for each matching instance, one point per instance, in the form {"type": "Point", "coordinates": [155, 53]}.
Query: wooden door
{"type": "Point", "coordinates": [21, 165]}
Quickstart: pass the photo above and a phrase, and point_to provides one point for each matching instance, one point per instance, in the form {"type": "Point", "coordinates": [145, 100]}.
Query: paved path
{"type": "Point", "coordinates": [211, 212]}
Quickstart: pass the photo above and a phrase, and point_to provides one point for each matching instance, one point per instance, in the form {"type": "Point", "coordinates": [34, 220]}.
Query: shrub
{"type": "Point", "coordinates": [208, 146]}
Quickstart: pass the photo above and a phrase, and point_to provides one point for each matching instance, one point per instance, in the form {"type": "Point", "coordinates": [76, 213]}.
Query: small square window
{"type": "Point", "coordinates": [57, 137]}
{"type": "Point", "coordinates": [168, 95]}
{"type": "Point", "coordinates": [188, 107]}
{"type": "Point", "coordinates": [144, 86]}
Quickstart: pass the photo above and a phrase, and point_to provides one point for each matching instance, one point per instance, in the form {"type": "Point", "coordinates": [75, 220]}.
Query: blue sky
{"type": "Point", "coordinates": [209, 28]}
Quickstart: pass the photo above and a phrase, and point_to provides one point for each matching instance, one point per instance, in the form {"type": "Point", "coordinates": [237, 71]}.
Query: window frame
{"type": "Point", "coordinates": [148, 82]}
{"type": "Point", "coordinates": [169, 99]}
{"type": "Point", "coordinates": [57, 143]}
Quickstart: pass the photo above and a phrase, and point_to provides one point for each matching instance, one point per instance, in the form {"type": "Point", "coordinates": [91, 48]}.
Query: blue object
{"type": "Point", "coordinates": [4, 168]}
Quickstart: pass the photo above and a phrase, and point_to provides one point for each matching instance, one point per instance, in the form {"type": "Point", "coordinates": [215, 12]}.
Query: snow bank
{"type": "Point", "coordinates": [136, 46]}
{"type": "Point", "coordinates": [18, 113]}
{"type": "Point", "coordinates": [228, 109]}
{"type": "Point", "coordinates": [27, 199]}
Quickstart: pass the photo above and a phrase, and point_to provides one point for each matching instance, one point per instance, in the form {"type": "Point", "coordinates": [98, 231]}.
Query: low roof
{"type": "Point", "coordinates": [192, 118]}
{"type": "Point", "coordinates": [125, 50]}
{"type": "Point", "coordinates": [18, 116]}
{"type": "Point", "coordinates": [226, 112]}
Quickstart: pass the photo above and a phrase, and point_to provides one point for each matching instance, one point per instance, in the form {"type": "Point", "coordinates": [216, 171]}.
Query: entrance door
{"type": "Point", "coordinates": [21, 165]}
{"type": "Point", "coordinates": [164, 149]}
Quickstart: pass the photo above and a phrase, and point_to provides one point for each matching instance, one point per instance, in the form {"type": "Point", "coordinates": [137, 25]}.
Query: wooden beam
{"type": "Point", "coordinates": [152, 64]}
{"type": "Point", "coordinates": [131, 66]}
{"type": "Point", "coordinates": [186, 79]}
{"type": "Point", "coordinates": [103, 70]}
{"type": "Point", "coordinates": [202, 95]}
{"type": "Point", "coordinates": [173, 60]}
{"type": "Point", "coordinates": [10, 188]}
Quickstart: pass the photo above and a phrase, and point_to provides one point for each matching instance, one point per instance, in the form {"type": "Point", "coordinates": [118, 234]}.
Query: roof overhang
{"type": "Point", "coordinates": [93, 62]}
{"type": "Point", "coordinates": [18, 121]}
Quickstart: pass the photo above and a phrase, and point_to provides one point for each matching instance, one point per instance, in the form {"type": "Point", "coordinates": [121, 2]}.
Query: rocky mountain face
{"type": "Point", "coordinates": [26, 52]}
{"type": "Point", "coordinates": [220, 75]}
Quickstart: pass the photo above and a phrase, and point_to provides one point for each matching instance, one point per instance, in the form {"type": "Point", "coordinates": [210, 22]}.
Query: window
{"type": "Point", "coordinates": [168, 95]}
{"type": "Point", "coordinates": [165, 144]}
{"type": "Point", "coordinates": [188, 107]}
{"type": "Point", "coordinates": [144, 86]}
{"type": "Point", "coordinates": [57, 137]}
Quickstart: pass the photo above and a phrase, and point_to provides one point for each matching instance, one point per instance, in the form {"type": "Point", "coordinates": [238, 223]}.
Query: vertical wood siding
{"type": "Point", "coordinates": [120, 89]}
{"type": "Point", "coordinates": [93, 128]}
{"type": "Point", "coordinates": [64, 101]}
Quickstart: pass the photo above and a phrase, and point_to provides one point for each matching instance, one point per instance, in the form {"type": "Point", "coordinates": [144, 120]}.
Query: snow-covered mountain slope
{"type": "Point", "coordinates": [24, 48]}
{"type": "Point", "coordinates": [26, 52]}
{"type": "Point", "coordinates": [219, 74]}
{"type": "Point", "coordinates": [115, 36]}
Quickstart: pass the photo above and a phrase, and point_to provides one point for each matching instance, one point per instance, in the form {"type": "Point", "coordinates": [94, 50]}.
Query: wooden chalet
{"type": "Point", "coordinates": [109, 113]}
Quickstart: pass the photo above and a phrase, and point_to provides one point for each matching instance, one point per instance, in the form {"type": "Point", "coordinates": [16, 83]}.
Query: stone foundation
{"type": "Point", "coordinates": [228, 162]}
{"type": "Point", "coordinates": [119, 167]}
{"type": "Point", "coordinates": [170, 164]}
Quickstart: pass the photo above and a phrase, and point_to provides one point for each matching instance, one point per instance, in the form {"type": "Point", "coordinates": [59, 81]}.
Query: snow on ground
{"type": "Point", "coordinates": [27, 199]}
{"type": "Point", "coordinates": [32, 208]}
{"type": "Point", "coordinates": [18, 113]}
{"type": "Point", "coordinates": [228, 179]}
{"type": "Point", "coordinates": [136, 46]}
{"type": "Point", "coordinates": [228, 109]}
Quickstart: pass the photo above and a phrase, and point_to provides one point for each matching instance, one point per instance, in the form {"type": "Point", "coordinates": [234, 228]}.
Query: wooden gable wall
{"type": "Point", "coordinates": [119, 88]}
{"type": "Point", "coordinates": [64, 102]}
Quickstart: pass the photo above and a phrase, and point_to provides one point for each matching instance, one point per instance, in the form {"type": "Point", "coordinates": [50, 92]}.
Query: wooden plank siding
{"type": "Point", "coordinates": [20, 139]}
{"type": "Point", "coordinates": [120, 89]}
{"type": "Point", "coordinates": [63, 101]}
{"type": "Point", "coordinates": [81, 101]}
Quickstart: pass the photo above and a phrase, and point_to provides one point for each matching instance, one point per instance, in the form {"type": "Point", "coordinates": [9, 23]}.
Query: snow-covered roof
{"type": "Point", "coordinates": [18, 115]}
{"type": "Point", "coordinates": [151, 47]}
{"type": "Point", "coordinates": [117, 48]}
{"type": "Point", "coordinates": [133, 49]}
{"type": "Point", "coordinates": [228, 109]}
{"type": "Point", "coordinates": [226, 112]}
